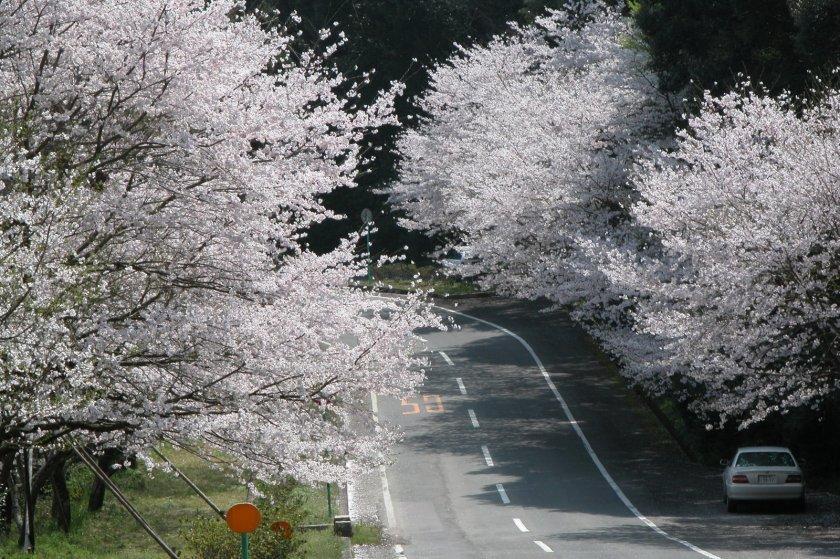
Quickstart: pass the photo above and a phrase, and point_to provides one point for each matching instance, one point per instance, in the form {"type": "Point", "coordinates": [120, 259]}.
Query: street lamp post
{"type": "Point", "coordinates": [367, 219]}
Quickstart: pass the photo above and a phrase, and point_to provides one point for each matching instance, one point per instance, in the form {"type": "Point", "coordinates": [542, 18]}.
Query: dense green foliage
{"type": "Point", "coordinates": [716, 44]}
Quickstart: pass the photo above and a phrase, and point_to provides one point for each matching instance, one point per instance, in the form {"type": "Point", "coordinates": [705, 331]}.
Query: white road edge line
{"type": "Point", "coordinates": [588, 447]}
{"type": "Point", "coordinates": [446, 358]}
{"type": "Point", "coordinates": [461, 386]}
{"type": "Point", "coordinates": [520, 525]}
{"type": "Point", "coordinates": [473, 418]}
{"type": "Point", "coordinates": [386, 491]}
{"type": "Point", "coordinates": [487, 458]}
{"type": "Point", "coordinates": [502, 493]}
{"type": "Point", "coordinates": [543, 546]}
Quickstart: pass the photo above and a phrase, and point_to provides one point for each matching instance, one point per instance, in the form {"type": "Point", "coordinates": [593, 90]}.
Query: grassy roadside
{"type": "Point", "coordinates": [167, 504]}
{"type": "Point", "coordinates": [400, 276]}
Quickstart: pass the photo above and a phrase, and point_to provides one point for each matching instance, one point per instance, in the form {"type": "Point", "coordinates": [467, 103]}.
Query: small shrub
{"type": "Point", "coordinates": [210, 538]}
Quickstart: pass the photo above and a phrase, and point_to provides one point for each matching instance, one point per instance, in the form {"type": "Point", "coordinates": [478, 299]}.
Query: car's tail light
{"type": "Point", "coordinates": [740, 478]}
{"type": "Point", "coordinates": [794, 478]}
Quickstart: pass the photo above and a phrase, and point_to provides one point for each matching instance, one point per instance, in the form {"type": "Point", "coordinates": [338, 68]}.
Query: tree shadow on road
{"type": "Point", "coordinates": [544, 466]}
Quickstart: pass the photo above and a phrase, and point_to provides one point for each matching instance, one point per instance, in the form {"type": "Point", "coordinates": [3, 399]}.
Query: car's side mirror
{"type": "Point", "coordinates": [724, 462]}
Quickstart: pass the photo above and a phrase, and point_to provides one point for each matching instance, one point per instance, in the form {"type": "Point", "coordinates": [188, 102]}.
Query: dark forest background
{"type": "Point", "coordinates": [695, 45]}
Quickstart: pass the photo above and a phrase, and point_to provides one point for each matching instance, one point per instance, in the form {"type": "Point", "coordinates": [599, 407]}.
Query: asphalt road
{"type": "Point", "coordinates": [492, 466]}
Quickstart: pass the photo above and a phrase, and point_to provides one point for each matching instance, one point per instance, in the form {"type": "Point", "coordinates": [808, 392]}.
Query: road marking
{"type": "Point", "coordinates": [398, 549]}
{"type": "Point", "coordinates": [520, 525]}
{"type": "Point", "coordinates": [386, 491]}
{"type": "Point", "coordinates": [473, 418]}
{"type": "Point", "coordinates": [543, 546]}
{"type": "Point", "coordinates": [461, 386]}
{"type": "Point", "coordinates": [502, 493]}
{"type": "Point", "coordinates": [586, 445]}
{"type": "Point", "coordinates": [487, 457]}
{"type": "Point", "coordinates": [446, 358]}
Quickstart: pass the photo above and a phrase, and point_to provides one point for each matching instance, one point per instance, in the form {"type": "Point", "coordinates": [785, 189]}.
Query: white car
{"type": "Point", "coordinates": [763, 473]}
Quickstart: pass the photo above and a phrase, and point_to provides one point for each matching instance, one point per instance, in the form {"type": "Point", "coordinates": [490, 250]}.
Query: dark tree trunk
{"type": "Point", "coordinates": [97, 491]}
{"type": "Point", "coordinates": [97, 495]}
{"type": "Point", "coordinates": [7, 493]}
{"type": "Point", "coordinates": [61, 498]}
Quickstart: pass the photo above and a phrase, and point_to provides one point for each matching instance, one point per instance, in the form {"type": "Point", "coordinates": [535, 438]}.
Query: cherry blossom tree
{"type": "Point", "coordinates": [160, 160]}
{"type": "Point", "coordinates": [706, 263]}
{"type": "Point", "coordinates": [524, 158]}
{"type": "Point", "coordinates": [747, 212]}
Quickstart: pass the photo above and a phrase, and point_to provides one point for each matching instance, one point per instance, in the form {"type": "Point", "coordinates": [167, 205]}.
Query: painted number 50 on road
{"type": "Point", "coordinates": [432, 403]}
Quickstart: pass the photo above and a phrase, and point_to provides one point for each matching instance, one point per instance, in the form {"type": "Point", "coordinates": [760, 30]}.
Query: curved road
{"type": "Point", "coordinates": [492, 464]}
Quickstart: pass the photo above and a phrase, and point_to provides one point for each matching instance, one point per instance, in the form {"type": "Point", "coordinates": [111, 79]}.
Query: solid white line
{"type": "Point", "coordinates": [461, 386]}
{"type": "Point", "coordinates": [487, 457]}
{"type": "Point", "coordinates": [473, 418]}
{"type": "Point", "coordinates": [543, 546]}
{"type": "Point", "coordinates": [386, 491]}
{"type": "Point", "coordinates": [502, 493]}
{"type": "Point", "coordinates": [588, 447]}
{"type": "Point", "coordinates": [446, 358]}
{"type": "Point", "coordinates": [520, 525]}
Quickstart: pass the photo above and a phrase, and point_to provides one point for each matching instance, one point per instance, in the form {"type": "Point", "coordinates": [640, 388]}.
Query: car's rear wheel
{"type": "Point", "coordinates": [800, 504]}
{"type": "Point", "coordinates": [731, 505]}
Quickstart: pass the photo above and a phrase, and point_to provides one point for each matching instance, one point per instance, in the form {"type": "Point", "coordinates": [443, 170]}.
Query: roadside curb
{"type": "Point", "coordinates": [344, 509]}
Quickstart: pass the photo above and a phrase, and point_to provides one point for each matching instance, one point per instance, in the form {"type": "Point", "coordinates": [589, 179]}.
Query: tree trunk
{"type": "Point", "coordinates": [7, 492]}
{"type": "Point", "coordinates": [97, 495]}
{"type": "Point", "coordinates": [97, 491]}
{"type": "Point", "coordinates": [61, 498]}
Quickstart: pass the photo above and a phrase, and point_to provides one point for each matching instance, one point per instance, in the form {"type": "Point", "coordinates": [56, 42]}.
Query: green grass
{"type": "Point", "coordinates": [401, 276]}
{"type": "Point", "coordinates": [366, 534]}
{"type": "Point", "coordinates": [167, 504]}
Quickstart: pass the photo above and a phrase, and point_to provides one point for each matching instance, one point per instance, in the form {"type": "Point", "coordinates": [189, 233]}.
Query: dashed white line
{"type": "Point", "coordinates": [543, 546]}
{"type": "Point", "coordinates": [446, 358]}
{"type": "Point", "coordinates": [461, 386]}
{"type": "Point", "coordinates": [520, 525]}
{"type": "Point", "coordinates": [487, 457]}
{"type": "Point", "coordinates": [473, 418]}
{"type": "Point", "coordinates": [585, 441]}
{"type": "Point", "coordinates": [502, 493]}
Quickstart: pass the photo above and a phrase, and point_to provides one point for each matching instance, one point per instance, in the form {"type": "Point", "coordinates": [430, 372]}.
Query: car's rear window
{"type": "Point", "coordinates": [765, 459]}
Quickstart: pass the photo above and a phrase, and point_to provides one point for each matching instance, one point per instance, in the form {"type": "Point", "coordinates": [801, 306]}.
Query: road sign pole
{"type": "Point", "coordinates": [367, 219]}
{"type": "Point", "coordinates": [370, 256]}
{"type": "Point", "coordinates": [244, 546]}
{"type": "Point", "coordinates": [329, 503]}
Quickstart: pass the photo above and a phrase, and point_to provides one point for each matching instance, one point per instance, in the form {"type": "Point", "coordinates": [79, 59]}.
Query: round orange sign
{"type": "Point", "coordinates": [243, 518]}
{"type": "Point", "coordinates": [283, 528]}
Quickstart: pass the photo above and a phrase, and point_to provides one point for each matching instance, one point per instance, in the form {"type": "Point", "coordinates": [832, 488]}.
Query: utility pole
{"type": "Point", "coordinates": [367, 219]}
{"type": "Point", "coordinates": [329, 503]}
